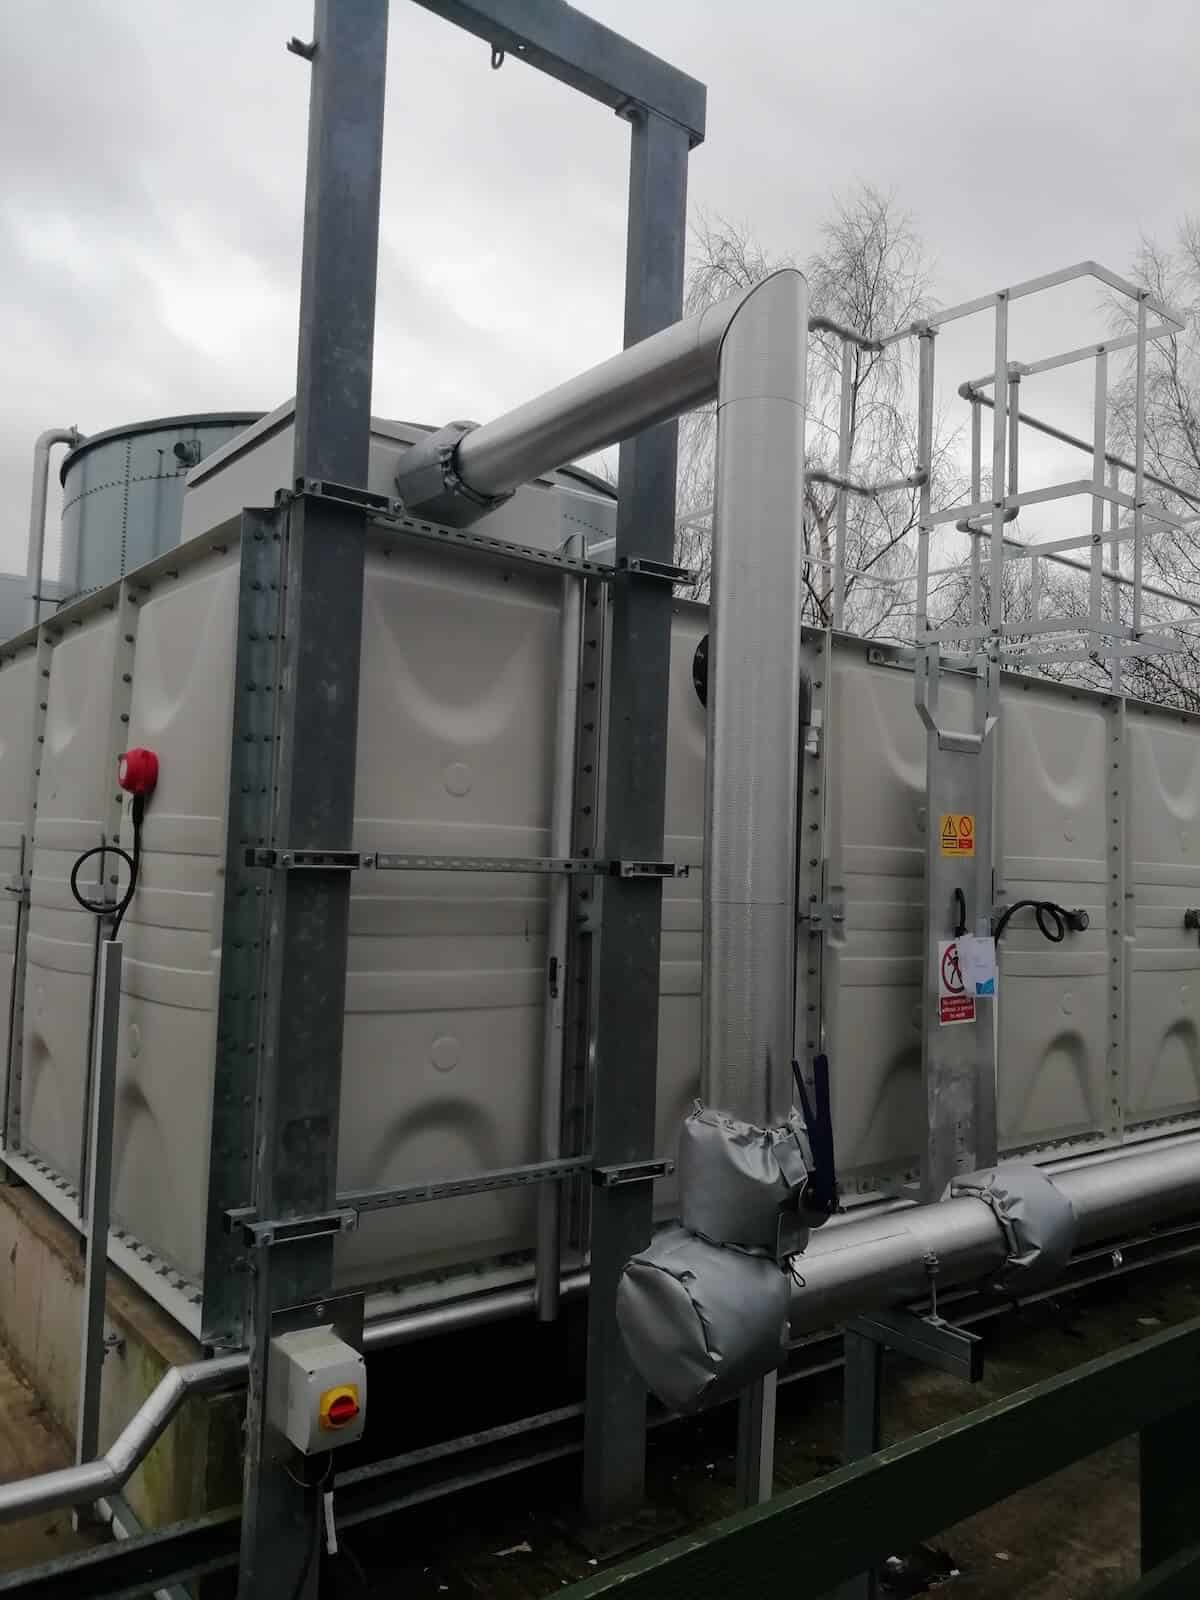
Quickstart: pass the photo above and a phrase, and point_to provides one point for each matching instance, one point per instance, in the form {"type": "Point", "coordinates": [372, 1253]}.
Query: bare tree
{"type": "Point", "coordinates": [1172, 453]}
{"type": "Point", "coordinates": [870, 273]}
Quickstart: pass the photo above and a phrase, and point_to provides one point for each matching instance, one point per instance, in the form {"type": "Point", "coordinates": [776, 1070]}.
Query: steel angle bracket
{"type": "Point", "coordinates": [644, 869]}
{"type": "Point", "coordinates": [346, 494]}
{"type": "Point", "coordinates": [642, 567]}
{"type": "Point", "coordinates": [615, 1177]}
{"type": "Point", "coordinates": [259, 1234]}
{"type": "Point", "coordinates": [307, 860]}
{"type": "Point", "coordinates": [930, 1340]}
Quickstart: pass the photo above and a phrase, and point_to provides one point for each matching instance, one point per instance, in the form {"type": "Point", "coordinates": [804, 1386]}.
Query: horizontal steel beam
{"type": "Point", "coordinates": [582, 53]}
{"type": "Point", "coordinates": [135, 1566]}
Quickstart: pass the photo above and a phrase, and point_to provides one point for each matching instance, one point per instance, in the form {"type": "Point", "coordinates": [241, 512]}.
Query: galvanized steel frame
{"type": "Point", "coordinates": [303, 979]}
{"type": "Point", "coordinates": [244, 921]}
{"type": "Point", "coordinates": [634, 807]}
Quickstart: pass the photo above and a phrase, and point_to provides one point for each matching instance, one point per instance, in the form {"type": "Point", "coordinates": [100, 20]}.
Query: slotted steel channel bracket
{"type": "Point", "coordinates": [353, 860]}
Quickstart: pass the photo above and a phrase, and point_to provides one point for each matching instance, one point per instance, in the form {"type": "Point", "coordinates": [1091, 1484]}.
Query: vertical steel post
{"type": "Point", "coordinates": [999, 440]}
{"type": "Point", "coordinates": [99, 1195]}
{"type": "Point", "coordinates": [925, 677]}
{"type": "Point", "coordinates": [557, 977]}
{"type": "Point", "coordinates": [976, 497]}
{"type": "Point", "coordinates": [862, 1433]}
{"type": "Point", "coordinates": [1099, 445]}
{"type": "Point", "coordinates": [635, 789]}
{"type": "Point", "coordinates": [958, 1054]}
{"type": "Point", "coordinates": [1167, 1451]}
{"type": "Point", "coordinates": [299, 1087]}
{"type": "Point", "coordinates": [845, 422]}
{"type": "Point", "coordinates": [1139, 463]}
{"type": "Point", "coordinates": [1114, 525]}
{"type": "Point", "coordinates": [755, 1455]}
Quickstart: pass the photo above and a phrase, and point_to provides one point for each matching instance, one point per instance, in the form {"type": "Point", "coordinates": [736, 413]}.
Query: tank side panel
{"type": "Point", "coordinates": [73, 790]}
{"type": "Point", "coordinates": [446, 972]}
{"type": "Point", "coordinates": [874, 838]}
{"type": "Point", "coordinates": [1054, 1012]}
{"type": "Point", "coordinates": [1163, 956]}
{"type": "Point", "coordinates": [18, 684]}
{"type": "Point", "coordinates": [180, 709]}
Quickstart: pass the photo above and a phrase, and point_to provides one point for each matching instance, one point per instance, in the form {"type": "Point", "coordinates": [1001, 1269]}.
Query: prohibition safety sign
{"type": "Point", "coordinates": [954, 1003]}
{"type": "Point", "coordinates": [956, 832]}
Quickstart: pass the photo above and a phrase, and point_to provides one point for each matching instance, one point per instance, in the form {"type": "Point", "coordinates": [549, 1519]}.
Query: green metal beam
{"type": "Point", "coordinates": [1177, 1579]}
{"type": "Point", "coordinates": [810, 1539]}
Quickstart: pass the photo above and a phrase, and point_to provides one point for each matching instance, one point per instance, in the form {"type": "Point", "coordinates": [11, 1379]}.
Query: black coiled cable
{"type": "Point", "coordinates": [1052, 919]}
{"type": "Point", "coordinates": [101, 908]}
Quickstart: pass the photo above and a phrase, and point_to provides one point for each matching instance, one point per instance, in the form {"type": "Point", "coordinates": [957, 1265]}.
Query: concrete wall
{"type": "Point", "coordinates": [196, 1466]}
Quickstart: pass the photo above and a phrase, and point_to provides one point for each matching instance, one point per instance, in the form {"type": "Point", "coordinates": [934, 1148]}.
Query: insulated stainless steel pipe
{"type": "Point", "coordinates": [853, 1264]}
{"type": "Point", "coordinates": [754, 706]}
{"type": "Point", "coordinates": [882, 1259]}
{"type": "Point", "coordinates": [650, 382]}
{"type": "Point", "coordinates": [36, 558]}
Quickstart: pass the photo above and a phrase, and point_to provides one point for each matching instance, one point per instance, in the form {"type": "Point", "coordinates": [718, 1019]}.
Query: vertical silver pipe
{"type": "Point", "coordinates": [1139, 468]}
{"type": "Point", "coordinates": [999, 430]}
{"type": "Point", "coordinates": [754, 706]}
{"type": "Point", "coordinates": [1099, 442]}
{"type": "Point", "coordinates": [1114, 523]}
{"type": "Point", "coordinates": [753, 767]}
{"type": "Point", "coordinates": [562, 814]}
{"type": "Point", "coordinates": [976, 497]}
{"type": "Point", "coordinates": [99, 1191]}
{"type": "Point", "coordinates": [1014, 434]}
{"type": "Point", "coordinates": [925, 679]}
{"type": "Point", "coordinates": [36, 557]}
{"type": "Point", "coordinates": [845, 418]}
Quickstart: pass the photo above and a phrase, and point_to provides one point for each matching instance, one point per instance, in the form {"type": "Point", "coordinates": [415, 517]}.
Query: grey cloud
{"type": "Point", "coordinates": [151, 183]}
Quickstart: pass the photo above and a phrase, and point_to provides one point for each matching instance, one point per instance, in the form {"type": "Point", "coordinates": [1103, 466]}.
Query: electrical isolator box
{"type": "Point", "coordinates": [316, 1389]}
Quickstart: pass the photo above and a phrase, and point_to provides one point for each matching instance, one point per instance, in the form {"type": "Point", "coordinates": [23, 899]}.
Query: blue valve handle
{"type": "Point", "coordinates": [821, 1191]}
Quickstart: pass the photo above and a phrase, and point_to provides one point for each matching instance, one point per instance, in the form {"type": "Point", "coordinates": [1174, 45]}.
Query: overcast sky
{"type": "Point", "coordinates": [152, 176]}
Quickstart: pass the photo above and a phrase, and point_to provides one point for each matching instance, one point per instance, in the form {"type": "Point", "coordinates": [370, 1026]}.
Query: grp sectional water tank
{"type": "Point", "coordinates": [123, 493]}
{"type": "Point", "coordinates": [1098, 805]}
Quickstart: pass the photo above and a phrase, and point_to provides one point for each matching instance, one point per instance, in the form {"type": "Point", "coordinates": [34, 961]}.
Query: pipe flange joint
{"type": "Point", "coordinates": [428, 481]}
{"type": "Point", "coordinates": [1036, 1218]}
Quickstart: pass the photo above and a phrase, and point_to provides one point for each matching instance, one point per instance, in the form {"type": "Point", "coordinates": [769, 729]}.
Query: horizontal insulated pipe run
{"type": "Point", "coordinates": [851, 1265]}
{"type": "Point", "coordinates": [860, 1265]}
{"type": "Point", "coordinates": [459, 475]}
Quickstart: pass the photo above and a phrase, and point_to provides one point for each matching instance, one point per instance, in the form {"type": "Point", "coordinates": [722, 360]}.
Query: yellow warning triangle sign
{"type": "Point", "coordinates": [949, 831]}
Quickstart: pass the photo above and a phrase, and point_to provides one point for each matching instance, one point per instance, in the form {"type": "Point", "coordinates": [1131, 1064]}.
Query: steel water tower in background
{"type": "Point", "coordinates": [123, 493]}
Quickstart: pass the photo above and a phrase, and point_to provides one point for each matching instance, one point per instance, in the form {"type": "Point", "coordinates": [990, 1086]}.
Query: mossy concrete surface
{"type": "Point", "coordinates": [195, 1467]}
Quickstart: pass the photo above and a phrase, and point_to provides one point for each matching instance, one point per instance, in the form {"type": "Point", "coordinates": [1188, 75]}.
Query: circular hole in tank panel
{"type": "Point", "coordinates": [922, 818]}
{"type": "Point", "coordinates": [135, 1040]}
{"type": "Point", "coordinates": [445, 1053]}
{"type": "Point", "coordinates": [1068, 1003]}
{"type": "Point", "coordinates": [457, 778]}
